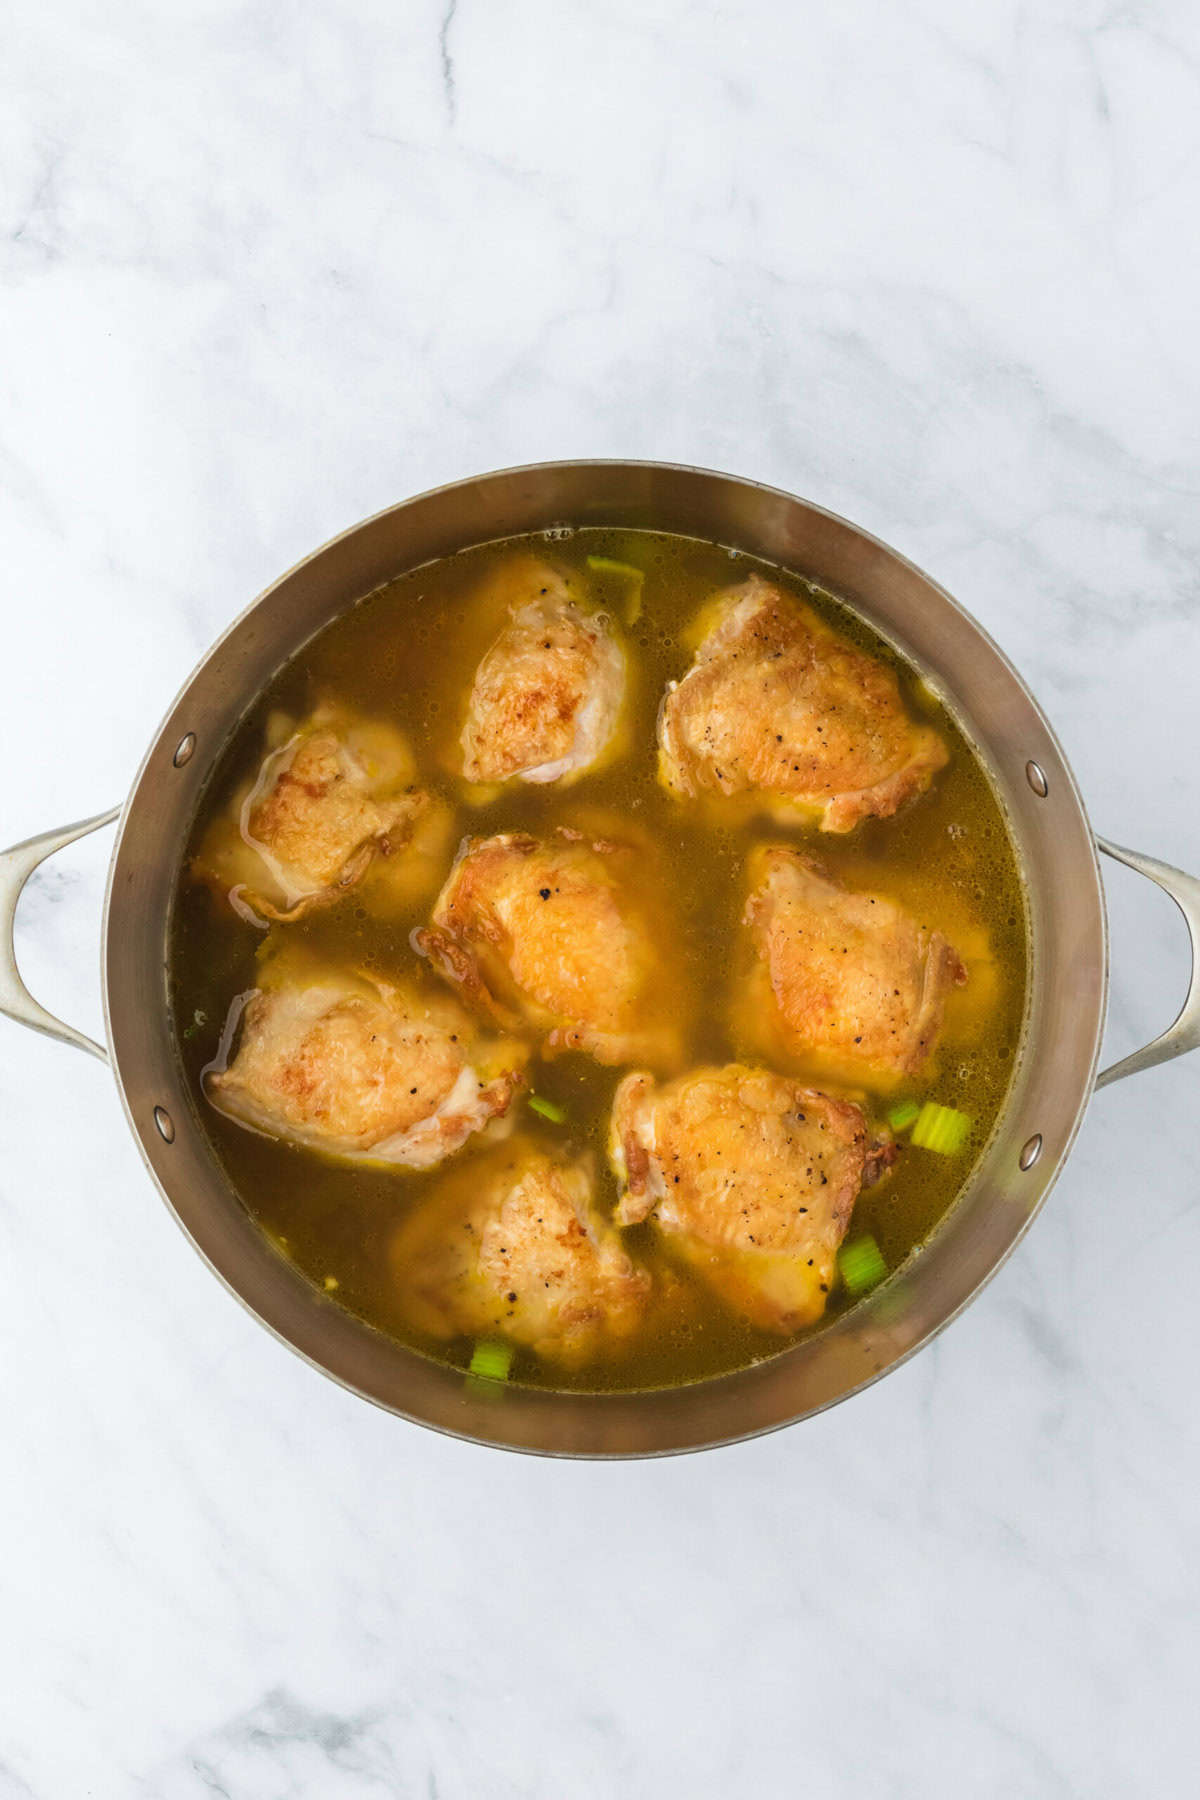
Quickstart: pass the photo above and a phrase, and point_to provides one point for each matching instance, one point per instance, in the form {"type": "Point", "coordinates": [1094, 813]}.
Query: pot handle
{"type": "Point", "coordinates": [1184, 1034]}
{"type": "Point", "coordinates": [16, 866]}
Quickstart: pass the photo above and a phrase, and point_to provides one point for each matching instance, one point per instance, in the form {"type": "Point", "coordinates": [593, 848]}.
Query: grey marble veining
{"type": "Point", "coordinates": [263, 271]}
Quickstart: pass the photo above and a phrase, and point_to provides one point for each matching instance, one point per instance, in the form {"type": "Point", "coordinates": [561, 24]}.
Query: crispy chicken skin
{"type": "Point", "coordinates": [775, 704]}
{"type": "Point", "coordinates": [750, 1176]}
{"type": "Point", "coordinates": [554, 934]}
{"type": "Point", "coordinates": [548, 693]}
{"type": "Point", "coordinates": [512, 1243]}
{"type": "Point", "coordinates": [845, 981]}
{"type": "Point", "coordinates": [363, 1069]}
{"type": "Point", "coordinates": [334, 794]}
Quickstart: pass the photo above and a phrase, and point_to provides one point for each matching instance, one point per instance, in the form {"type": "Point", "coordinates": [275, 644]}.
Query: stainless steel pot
{"type": "Point", "coordinates": [1055, 1071]}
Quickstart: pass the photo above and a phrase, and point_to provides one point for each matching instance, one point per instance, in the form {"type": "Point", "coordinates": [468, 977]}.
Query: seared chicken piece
{"type": "Point", "coordinates": [847, 982]}
{"type": "Point", "coordinates": [513, 1244]}
{"type": "Point", "coordinates": [334, 795]}
{"type": "Point", "coordinates": [548, 693]}
{"type": "Point", "coordinates": [750, 1177]}
{"type": "Point", "coordinates": [777, 705]}
{"type": "Point", "coordinates": [556, 934]}
{"type": "Point", "coordinates": [363, 1069]}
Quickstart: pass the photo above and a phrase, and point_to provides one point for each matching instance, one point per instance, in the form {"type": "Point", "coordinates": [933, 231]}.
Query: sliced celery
{"type": "Point", "coordinates": [491, 1358]}
{"type": "Point", "coordinates": [861, 1264]}
{"type": "Point", "coordinates": [633, 578]}
{"type": "Point", "coordinates": [941, 1129]}
{"type": "Point", "coordinates": [608, 565]}
{"type": "Point", "coordinates": [548, 1109]}
{"type": "Point", "coordinates": [902, 1116]}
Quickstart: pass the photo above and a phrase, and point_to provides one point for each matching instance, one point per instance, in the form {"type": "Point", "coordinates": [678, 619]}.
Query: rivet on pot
{"type": "Point", "coordinates": [165, 1124]}
{"type": "Point", "coordinates": [1036, 777]}
{"type": "Point", "coordinates": [184, 749]}
{"type": "Point", "coordinates": [1030, 1151]}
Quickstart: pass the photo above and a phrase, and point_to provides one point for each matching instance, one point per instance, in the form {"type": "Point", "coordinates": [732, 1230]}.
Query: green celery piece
{"type": "Point", "coordinates": [608, 565]}
{"type": "Point", "coordinates": [491, 1358]}
{"type": "Point", "coordinates": [861, 1264]}
{"type": "Point", "coordinates": [956, 1130]}
{"type": "Point", "coordinates": [548, 1109]}
{"type": "Point", "coordinates": [926, 1126]}
{"type": "Point", "coordinates": [902, 1116]}
{"type": "Point", "coordinates": [941, 1128]}
{"type": "Point", "coordinates": [923, 1129]}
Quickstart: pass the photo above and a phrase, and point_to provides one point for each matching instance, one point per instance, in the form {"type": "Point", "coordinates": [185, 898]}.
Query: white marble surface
{"type": "Point", "coordinates": [266, 269]}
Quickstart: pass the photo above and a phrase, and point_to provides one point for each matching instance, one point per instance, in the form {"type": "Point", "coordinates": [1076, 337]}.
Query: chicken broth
{"type": "Point", "coordinates": [406, 657]}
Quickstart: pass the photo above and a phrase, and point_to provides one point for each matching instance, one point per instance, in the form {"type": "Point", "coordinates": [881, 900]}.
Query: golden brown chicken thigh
{"type": "Point", "coordinates": [750, 1177]}
{"type": "Point", "coordinates": [777, 705]}
{"type": "Point", "coordinates": [847, 983]}
{"type": "Point", "coordinates": [336, 793]}
{"type": "Point", "coordinates": [556, 934]}
{"type": "Point", "coordinates": [548, 694]}
{"type": "Point", "coordinates": [363, 1069]}
{"type": "Point", "coordinates": [513, 1244]}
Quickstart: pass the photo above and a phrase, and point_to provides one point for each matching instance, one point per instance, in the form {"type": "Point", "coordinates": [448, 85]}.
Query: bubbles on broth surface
{"type": "Point", "coordinates": [408, 653]}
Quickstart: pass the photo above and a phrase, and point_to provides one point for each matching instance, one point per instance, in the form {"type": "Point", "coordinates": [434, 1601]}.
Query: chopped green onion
{"type": "Point", "coordinates": [491, 1358]}
{"type": "Point", "coordinates": [548, 1109]}
{"type": "Point", "coordinates": [941, 1128]}
{"type": "Point", "coordinates": [902, 1116]}
{"type": "Point", "coordinates": [608, 565]}
{"type": "Point", "coordinates": [861, 1264]}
